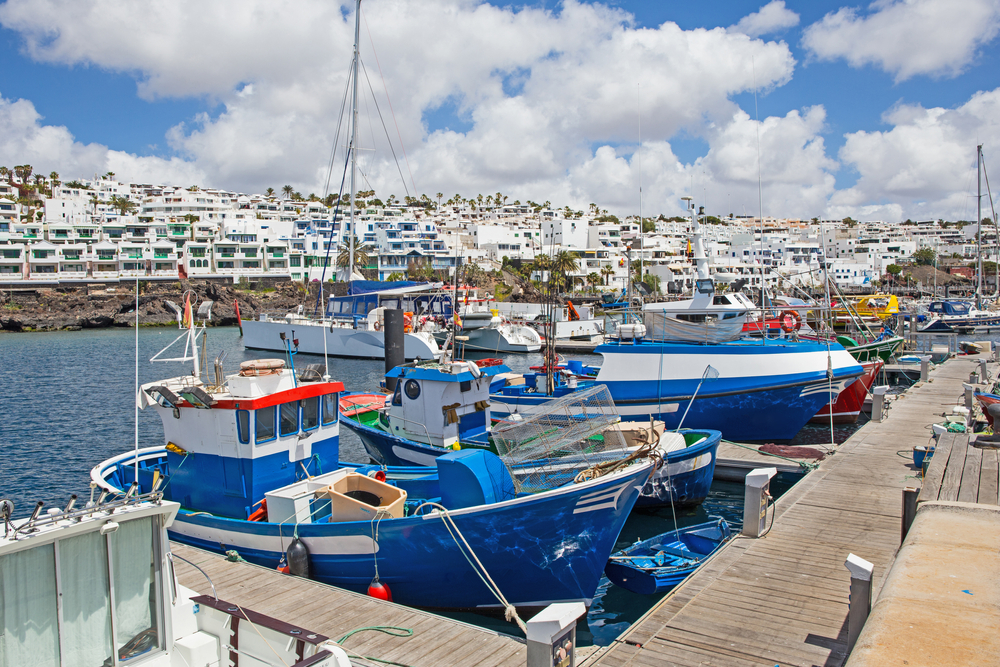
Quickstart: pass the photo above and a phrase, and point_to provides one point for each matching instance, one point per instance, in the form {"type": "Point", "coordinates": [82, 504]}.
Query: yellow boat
{"type": "Point", "coordinates": [873, 309]}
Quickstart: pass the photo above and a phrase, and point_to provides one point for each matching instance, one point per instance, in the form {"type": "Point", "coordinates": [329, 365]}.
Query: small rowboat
{"type": "Point", "coordinates": [355, 404]}
{"type": "Point", "coordinates": [658, 564]}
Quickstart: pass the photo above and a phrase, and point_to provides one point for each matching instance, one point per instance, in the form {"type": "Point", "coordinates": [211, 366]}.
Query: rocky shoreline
{"type": "Point", "coordinates": [93, 307]}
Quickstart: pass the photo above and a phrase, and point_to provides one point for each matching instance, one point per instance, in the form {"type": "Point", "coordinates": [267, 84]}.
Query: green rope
{"type": "Point", "coordinates": [387, 629]}
{"type": "Point", "coordinates": [233, 556]}
{"type": "Point", "coordinates": [805, 465]}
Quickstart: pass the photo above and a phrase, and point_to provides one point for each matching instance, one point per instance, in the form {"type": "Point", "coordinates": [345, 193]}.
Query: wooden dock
{"type": "Point", "coordinates": [335, 612]}
{"type": "Point", "coordinates": [963, 469]}
{"type": "Point", "coordinates": [783, 599]}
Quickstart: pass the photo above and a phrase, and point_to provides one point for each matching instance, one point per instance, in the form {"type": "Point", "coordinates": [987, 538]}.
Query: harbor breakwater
{"type": "Point", "coordinates": [99, 306]}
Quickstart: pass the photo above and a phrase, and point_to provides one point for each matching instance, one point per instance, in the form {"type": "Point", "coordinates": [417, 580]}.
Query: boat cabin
{"type": "Point", "coordinates": [421, 299]}
{"type": "Point", "coordinates": [263, 428]}
{"type": "Point", "coordinates": [950, 308]}
{"type": "Point", "coordinates": [95, 585]}
{"type": "Point", "coordinates": [441, 403]}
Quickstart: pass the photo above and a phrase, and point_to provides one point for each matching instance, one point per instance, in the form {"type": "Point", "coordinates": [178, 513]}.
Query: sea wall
{"type": "Point", "coordinates": [97, 306]}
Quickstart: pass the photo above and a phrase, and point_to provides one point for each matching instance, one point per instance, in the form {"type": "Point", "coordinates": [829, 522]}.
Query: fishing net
{"type": "Point", "coordinates": [567, 436]}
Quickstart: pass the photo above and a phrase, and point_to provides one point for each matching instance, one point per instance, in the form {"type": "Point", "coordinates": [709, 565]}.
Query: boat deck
{"type": "Point", "coordinates": [335, 612]}
{"type": "Point", "coordinates": [734, 461]}
{"type": "Point", "coordinates": [783, 599]}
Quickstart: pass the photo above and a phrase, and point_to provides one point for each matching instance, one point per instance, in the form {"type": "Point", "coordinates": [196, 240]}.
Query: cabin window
{"type": "Point", "coordinates": [310, 413]}
{"type": "Point", "coordinates": [243, 425]}
{"type": "Point", "coordinates": [330, 408]}
{"type": "Point", "coordinates": [93, 623]}
{"type": "Point", "coordinates": [289, 418]}
{"type": "Point", "coordinates": [397, 395]}
{"type": "Point", "coordinates": [412, 389]}
{"type": "Point", "coordinates": [265, 424]}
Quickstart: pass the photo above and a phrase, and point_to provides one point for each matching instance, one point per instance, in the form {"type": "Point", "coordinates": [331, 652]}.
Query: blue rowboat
{"type": "Point", "coordinates": [658, 564]}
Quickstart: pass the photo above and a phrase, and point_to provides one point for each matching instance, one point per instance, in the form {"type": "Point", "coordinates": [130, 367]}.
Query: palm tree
{"type": "Point", "coordinates": [269, 192]}
{"type": "Point", "coordinates": [607, 271]}
{"type": "Point", "coordinates": [361, 258]}
{"type": "Point", "coordinates": [593, 279]}
{"type": "Point", "coordinates": [54, 177]}
{"type": "Point", "coordinates": [123, 204]}
{"type": "Point", "coordinates": [563, 264]}
{"type": "Point", "coordinates": [288, 191]}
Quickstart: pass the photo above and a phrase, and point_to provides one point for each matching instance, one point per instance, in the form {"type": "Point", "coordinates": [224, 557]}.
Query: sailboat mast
{"type": "Point", "coordinates": [354, 134]}
{"type": "Point", "coordinates": [979, 226]}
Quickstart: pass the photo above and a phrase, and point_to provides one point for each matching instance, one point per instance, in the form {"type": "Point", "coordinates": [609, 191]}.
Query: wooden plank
{"type": "Point", "coordinates": [989, 478]}
{"type": "Point", "coordinates": [968, 491]}
{"type": "Point", "coordinates": [953, 474]}
{"type": "Point", "coordinates": [931, 487]}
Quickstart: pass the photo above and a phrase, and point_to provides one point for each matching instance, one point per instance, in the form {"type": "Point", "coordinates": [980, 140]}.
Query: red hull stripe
{"type": "Point", "coordinates": [307, 390]}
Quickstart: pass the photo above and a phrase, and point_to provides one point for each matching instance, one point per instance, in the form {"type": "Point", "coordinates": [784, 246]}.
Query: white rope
{"type": "Point", "coordinates": [509, 611]}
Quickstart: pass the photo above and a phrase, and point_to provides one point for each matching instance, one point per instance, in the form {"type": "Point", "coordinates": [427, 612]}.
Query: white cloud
{"type": "Point", "coordinates": [25, 140]}
{"type": "Point", "coordinates": [925, 166]}
{"type": "Point", "coordinates": [551, 100]}
{"type": "Point", "coordinates": [907, 38]}
{"type": "Point", "coordinates": [772, 17]}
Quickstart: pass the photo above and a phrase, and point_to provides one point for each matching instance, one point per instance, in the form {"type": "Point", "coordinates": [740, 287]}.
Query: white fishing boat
{"type": "Point", "coordinates": [353, 325]}
{"type": "Point", "coordinates": [95, 585]}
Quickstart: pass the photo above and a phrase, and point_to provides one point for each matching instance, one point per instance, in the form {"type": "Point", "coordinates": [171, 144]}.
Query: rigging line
{"type": "Point", "coordinates": [329, 237]}
{"type": "Point", "coordinates": [391, 110]}
{"type": "Point", "coordinates": [391, 148]}
{"type": "Point", "coordinates": [336, 138]}
{"type": "Point", "coordinates": [760, 196]}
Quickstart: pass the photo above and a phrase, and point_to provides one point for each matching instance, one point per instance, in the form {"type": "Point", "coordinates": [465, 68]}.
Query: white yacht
{"type": "Point", "coordinates": [354, 324]}
{"type": "Point", "coordinates": [95, 585]}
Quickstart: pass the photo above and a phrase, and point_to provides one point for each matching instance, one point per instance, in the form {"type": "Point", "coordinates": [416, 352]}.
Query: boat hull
{"type": "Point", "coordinates": [847, 408]}
{"type": "Point", "coordinates": [505, 338]}
{"type": "Point", "coordinates": [685, 478]}
{"type": "Point", "coordinates": [950, 324]}
{"type": "Point", "coordinates": [341, 341]}
{"type": "Point", "coordinates": [540, 549]}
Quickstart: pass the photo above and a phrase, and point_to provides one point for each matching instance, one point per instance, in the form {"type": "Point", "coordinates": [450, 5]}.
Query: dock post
{"type": "Point", "coordinates": [394, 342]}
{"type": "Point", "coordinates": [909, 510]}
{"type": "Point", "coordinates": [878, 402]}
{"type": "Point", "coordinates": [861, 597]}
{"type": "Point", "coordinates": [925, 368]}
{"type": "Point", "coordinates": [969, 389]}
{"type": "Point", "coordinates": [996, 353]}
{"type": "Point", "coordinates": [755, 500]}
{"type": "Point", "coordinates": [982, 370]}
{"type": "Point", "coordinates": [552, 635]}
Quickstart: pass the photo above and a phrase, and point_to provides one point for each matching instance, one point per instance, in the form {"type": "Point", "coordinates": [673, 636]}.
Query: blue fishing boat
{"type": "Point", "coordinates": [658, 564]}
{"type": "Point", "coordinates": [437, 408]}
{"type": "Point", "coordinates": [684, 363]}
{"type": "Point", "coordinates": [749, 390]}
{"type": "Point", "coordinates": [252, 459]}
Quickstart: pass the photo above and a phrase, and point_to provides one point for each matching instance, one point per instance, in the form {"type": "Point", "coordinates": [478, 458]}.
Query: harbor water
{"type": "Point", "coordinates": [68, 402]}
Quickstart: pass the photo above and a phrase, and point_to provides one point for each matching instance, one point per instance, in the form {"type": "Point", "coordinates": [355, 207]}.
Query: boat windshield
{"type": "Point", "coordinates": [956, 308]}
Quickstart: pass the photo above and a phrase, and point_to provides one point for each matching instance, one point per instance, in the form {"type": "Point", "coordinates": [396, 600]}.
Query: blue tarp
{"type": "Point", "coordinates": [367, 286]}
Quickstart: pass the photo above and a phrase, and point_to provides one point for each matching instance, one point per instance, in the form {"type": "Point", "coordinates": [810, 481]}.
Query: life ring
{"type": "Point", "coordinates": [377, 326]}
{"type": "Point", "coordinates": [790, 321]}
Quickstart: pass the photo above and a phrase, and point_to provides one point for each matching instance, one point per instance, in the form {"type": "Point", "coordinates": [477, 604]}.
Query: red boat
{"type": "Point", "coordinates": [847, 407]}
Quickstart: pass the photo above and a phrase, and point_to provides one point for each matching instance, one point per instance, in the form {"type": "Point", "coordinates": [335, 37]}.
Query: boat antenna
{"type": "Point", "coordinates": [354, 135]}
{"type": "Point", "coordinates": [135, 457]}
{"type": "Point", "coordinates": [638, 159]}
{"type": "Point", "coordinates": [760, 196]}
{"type": "Point", "coordinates": [979, 227]}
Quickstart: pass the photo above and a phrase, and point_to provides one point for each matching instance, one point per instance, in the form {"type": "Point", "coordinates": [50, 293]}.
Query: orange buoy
{"type": "Point", "coordinates": [378, 590]}
{"type": "Point", "coordinates": [283, 566]}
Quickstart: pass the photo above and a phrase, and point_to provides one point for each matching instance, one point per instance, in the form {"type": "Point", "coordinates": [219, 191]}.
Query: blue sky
{"type": "Point", "coordinates": [871, 111]}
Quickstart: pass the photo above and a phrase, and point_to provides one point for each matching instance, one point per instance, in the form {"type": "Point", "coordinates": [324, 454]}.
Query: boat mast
{"type": "Point", "coordinates": [979, 226]}
{"type": "Point", "coordinates": [354, 135]}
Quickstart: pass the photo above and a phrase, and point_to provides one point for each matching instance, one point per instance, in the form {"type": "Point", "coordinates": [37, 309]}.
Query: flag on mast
{"type": "Point", "coordinates": [188, 319]}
